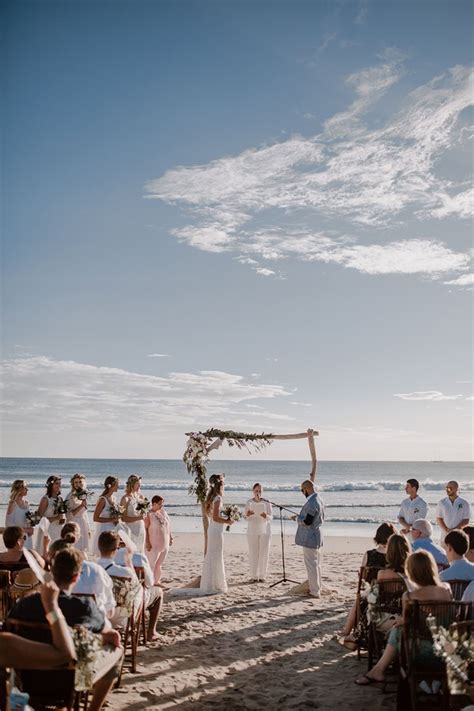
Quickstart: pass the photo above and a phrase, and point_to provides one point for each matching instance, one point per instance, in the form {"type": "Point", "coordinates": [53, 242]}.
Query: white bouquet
{"type": "Point", "coordinates": [232, 513]}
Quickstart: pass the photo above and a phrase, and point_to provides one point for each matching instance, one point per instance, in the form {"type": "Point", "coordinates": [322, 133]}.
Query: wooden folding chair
{"type": "Point", "coordinates": [131, 629]}
{"type": "Point", "coordinates": [5, 600]}
{"type": "Point", "coordinates": [140, 571]}
{"type": "Point", "coordinates": [458, 587]}
{"type": "Point", "coordinates": [367, 574]}
{"type": "Point", "coordinates": [417, 663]}
{"type": "Point", "coordinates": [47, 689]}
{"type": "Point", "coordinates": [389, 603]}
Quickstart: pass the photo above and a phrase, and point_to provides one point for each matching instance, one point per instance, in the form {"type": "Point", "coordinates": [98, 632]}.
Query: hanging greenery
{"type": "Point", "coordinates": [196, 455]}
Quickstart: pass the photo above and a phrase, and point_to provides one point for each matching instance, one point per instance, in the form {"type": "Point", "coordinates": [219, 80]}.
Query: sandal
{"type": "Point", "coordinates": [366, 680]}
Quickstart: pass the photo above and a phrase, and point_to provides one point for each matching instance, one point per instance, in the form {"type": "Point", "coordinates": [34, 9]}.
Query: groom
{"type": "Point", "coordinates": [308, 535]}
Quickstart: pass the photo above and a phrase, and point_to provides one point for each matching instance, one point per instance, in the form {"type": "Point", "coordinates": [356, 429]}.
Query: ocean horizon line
{"type": "Point", "coordinates": [177, 459]}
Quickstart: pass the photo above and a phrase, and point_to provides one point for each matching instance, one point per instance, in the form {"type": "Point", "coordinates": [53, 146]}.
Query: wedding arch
{"type": "Point", "coordinates": [200, 444]}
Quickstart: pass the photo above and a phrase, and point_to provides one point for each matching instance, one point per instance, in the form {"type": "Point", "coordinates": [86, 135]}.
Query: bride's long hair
{"type": "Point", "coordinates": [216, 482]}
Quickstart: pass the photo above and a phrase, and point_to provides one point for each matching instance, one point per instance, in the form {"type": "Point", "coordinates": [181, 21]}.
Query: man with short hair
{"type": "Point", "coordinates": [457, 545]}
{"type": "Point", "coordinates": [452, 512]}
{"type": "Point", "coordinates": [421, 533]}
{"type": "Point", "coordinates": [413, 507]}
{"type": "Point", "coordinates": [66, 568]}
{"type": "Point", "coordinates": [308, 535]}
{"type": "Point", "coordinates": [108, 545]}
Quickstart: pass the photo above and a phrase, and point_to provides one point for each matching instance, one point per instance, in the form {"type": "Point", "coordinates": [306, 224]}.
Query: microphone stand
{"type": "Point", "coordinates": [284, 579]}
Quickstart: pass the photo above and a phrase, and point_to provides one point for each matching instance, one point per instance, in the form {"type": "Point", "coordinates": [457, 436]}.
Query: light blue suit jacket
{"type": "Point", "coordinates": [310, 536]}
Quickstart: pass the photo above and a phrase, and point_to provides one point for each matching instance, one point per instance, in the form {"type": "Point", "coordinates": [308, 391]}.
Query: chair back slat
{"type": "Point", "coordinates": [390, 595]}
{"type": "Point", "coordinates": [458, 587]}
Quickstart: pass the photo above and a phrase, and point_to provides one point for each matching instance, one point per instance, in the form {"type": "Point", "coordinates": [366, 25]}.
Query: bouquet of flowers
{"type": "Point", "coordinates": [87, 644]}
{"type": "Point", "coordinates": [126, 591]}
{"type": "Point", "coordinates": [142, 506]}
{"type": "Point", "coordinates": [116, 511]}
{"type": "Point", "coordinates": [60, 509]}
{"type": "Point", "coordinates": [371, 595]}
{"type": "Point", "coordinates": [33, 517]}
{"type": "Point", "coordinates": [83, 494]}
{"type": "Point", "coordinates": [231, 512]}
{"type": "Point", "coordinates": [456, 650]}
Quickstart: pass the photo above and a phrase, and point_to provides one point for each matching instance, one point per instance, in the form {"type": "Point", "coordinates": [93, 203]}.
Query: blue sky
{"type": "Point", "coordinates": [253, 215]}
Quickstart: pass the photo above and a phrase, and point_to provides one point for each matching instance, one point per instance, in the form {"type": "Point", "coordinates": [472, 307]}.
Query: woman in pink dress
{"type": "Point", "coordinates": [158, 536]}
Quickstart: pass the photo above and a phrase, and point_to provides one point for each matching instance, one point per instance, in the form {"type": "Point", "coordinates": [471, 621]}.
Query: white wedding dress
{"type": "Point", "coordinates": [213, 572]}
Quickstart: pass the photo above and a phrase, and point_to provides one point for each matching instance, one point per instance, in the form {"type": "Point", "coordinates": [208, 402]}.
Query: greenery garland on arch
{"type": "Point", "coordinates": [199, 444]}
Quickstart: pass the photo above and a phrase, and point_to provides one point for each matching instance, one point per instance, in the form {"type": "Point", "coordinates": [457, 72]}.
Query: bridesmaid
{"type": "Point", "coordinates": [18, 507]}
{"type": "Point", "coordinates": [158, 537]}
{"type": "Point", "coordinates": [103, 515]}
{"type": "Point", "coordinates": [131, 516]}
{"type": "Point", "coordinates": [49, 505]}
{"type": "Point", "coordinates": [77, 510]}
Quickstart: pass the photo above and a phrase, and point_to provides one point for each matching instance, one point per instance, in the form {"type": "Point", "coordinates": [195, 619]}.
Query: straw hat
{"type": "Point", "coordinates": [25, 583]}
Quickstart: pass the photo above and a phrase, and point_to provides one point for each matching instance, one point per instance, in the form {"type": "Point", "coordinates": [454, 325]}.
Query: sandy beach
{"type": "Point", "coordinates": [257, 646]}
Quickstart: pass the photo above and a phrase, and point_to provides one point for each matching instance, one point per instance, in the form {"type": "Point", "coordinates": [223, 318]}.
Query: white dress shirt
{"type": "Point", "coordinates": [94, 581]}
{"type": "Point", "coordinates": [452, 512]}
{"type": "Point", "coordinates": [412, 509]}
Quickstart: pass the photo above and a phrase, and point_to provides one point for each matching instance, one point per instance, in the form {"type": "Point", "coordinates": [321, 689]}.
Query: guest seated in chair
{"type": "Point", "coordinates": [457, 545]}
{"type": "Point", "coordinates": [422, 572]}
{"type": "Point", "coordinates": [14, 539]}
{"type": "Point", "coordinates": [375, 557]}
{"type": "Point", "coordinates": [469, 531]}
{"type": "Point", "coordinates": [421, 534]}
{"type": "Point", "coordinates": [66, 568]}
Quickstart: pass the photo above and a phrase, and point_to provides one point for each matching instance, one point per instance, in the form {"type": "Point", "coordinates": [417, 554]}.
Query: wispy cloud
{"type": "Point", "coordinates": [433, 395]}
{"type": "Point", "coordinates": [42, 393]}
{"type": "Point", "coordinates": [463, 280]}
{"type": "Point", "coordinates": [158, 355]}
{"type": "Point", "coordinates": [362, 11]}
{"type": "Point", "coordinates": [301, 404]}
{"type": "Point", "coordinates": [370, 176]}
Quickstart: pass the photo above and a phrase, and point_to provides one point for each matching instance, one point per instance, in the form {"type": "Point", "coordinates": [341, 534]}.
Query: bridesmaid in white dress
{"type": "Point", "coordinates": [17, 509]}
{"type": "Point", "coordinates": [103, 519]}
{"type": "Point", "coordinates": [77, 510]}
{"type": "Point", "coordinates": [134, 519]}
{"type": "Point", "coordinates": [213, 578]}
{"type": "Point", "coordinates": [48, 507]}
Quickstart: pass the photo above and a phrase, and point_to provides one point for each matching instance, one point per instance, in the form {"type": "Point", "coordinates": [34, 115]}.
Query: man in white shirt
{"type": "Point", "coordinates": [95, 581]}
{"type": "Point", "coordinates": [412, 508]}
{"type": "Point", "coordinates": [452, 512]}
{"type": "Point", "coordinates": [108, 545]}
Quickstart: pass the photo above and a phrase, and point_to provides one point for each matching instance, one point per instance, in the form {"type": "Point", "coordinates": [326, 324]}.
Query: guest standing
{"type": "Point", "coordinates": [50, 507]}
{"type": "Point", "coordinates": [133, 518]}
{"type": "Point", "coordinates": [18, 507]}
{"type": "Point", "coordinates": [259, 533]}
{"type": "Point", "coordinates": [413, 507]}
{"type": "Point", "coordinates": [77, 510]}
{"type": "Point", "coordinates": [452, 512]}
{"type": "Point", "coordinates": [308, 535]}
{"type": "Point", "coordinates": [158, 537]}
{"type": "Point", "coordinates": [104, 517]}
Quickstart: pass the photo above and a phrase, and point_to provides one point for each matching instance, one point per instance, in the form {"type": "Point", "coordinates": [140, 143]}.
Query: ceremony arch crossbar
{"type": "Point", "coordinates": [200, 444]}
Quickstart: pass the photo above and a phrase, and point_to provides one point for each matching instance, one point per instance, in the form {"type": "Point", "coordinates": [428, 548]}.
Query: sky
{"type": "Point", "coordinates": [244, 215]}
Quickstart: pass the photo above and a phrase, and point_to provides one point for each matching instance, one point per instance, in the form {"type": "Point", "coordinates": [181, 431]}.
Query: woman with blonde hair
{"type": "Point", "coordinates": [18, 507]}
{"type": "Point", "coordinates": [423, 574]}
{"type": "Point", "coordinates": [134, 518]}
{"type": "Point", "coordinates": [76, 502]}
{"type": "Point", "coordinates": [105, 518]}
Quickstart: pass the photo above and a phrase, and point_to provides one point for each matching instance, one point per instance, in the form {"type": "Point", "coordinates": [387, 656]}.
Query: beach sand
{"type": "Point", "coordinates": [256, 647]}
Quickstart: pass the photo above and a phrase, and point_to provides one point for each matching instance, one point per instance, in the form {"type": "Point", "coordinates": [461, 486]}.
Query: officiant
{"type": "Point", "coordinates": [308, 535]}
{"type": "Point", "coordinates": [258, 514]}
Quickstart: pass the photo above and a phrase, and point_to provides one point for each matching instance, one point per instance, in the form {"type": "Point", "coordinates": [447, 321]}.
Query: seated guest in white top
{"type": "Point", "coordinates": [411, 508]}
{"type": "Point", "coordinates": [421, 533]}
{"type": "Point", "coordinates": [469, 594]}
{"type": "Point", "coordinates": [137, 560]}
{"type": "Point", "coordinates": [92, 579]}
{"type": "Point", "coordinates": [452, 512]}
{"type": "Point", "coordinates": [108, 545]}
{"type": "Point", "coordinates": [457, 545]}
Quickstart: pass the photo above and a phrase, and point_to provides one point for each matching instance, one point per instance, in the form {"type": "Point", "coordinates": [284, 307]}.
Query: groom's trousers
{"type": "Point", "coordinates": [312, 561]}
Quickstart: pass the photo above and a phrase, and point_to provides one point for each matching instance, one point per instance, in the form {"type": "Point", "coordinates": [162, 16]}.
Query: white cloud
{"type": "Point", "coordinates": [158, 355]}
{"type": "Point", "coordinates": [471, 397]}
{"type": "Point", "coordinates": [433, 395]}
{"type": "Point", "coordinates": [265, 272]}
{"type": "Point", "coordinates": [302, 404]}
{"type": "Point", "coordinates": [42, 393]}
{"type": "Point", "coordinates": [371, 176]}
{"type": "Point", "coordinates": [463, 280]}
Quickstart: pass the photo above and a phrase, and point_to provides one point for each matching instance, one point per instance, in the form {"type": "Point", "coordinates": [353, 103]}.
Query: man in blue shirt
{"type": "Point", "coordinates": [421, 533]}
{"type": "Point", "coordinates": [308, 535]}
{"type": "Point", "coordinates": [457, 545]}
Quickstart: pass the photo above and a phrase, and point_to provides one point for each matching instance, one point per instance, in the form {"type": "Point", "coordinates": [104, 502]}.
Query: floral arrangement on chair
{"type": "Point", "coordinates": [86, 644]}
{"type": "Point", "coordinates": [126, 591]}
{"type": "Point", "coordinates": [457, 650]}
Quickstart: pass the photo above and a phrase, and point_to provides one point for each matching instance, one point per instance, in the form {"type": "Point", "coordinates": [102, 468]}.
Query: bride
{"type": "Point", "coordinates": [213, 572]}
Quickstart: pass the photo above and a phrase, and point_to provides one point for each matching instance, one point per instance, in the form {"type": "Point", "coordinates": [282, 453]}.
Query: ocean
{"type": "Point", "coordinates": [357, 495]}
